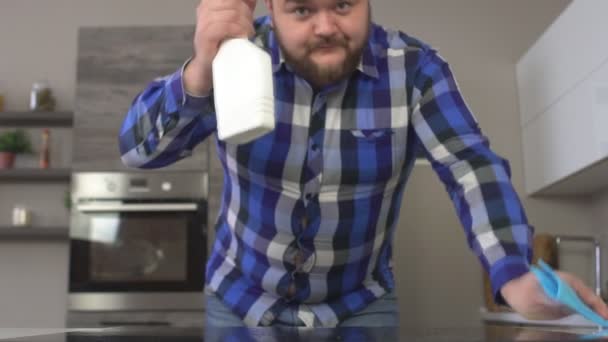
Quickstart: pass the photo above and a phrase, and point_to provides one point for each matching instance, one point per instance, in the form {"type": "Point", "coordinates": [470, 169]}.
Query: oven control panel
{"type": "Point", "coordinates": [99, 185]}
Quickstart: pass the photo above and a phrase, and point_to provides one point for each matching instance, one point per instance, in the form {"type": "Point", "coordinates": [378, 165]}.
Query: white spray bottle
{"type": "Point", "coordinates": [243, 91]}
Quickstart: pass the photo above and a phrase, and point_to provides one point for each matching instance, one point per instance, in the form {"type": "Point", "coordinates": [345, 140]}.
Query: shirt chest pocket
{"type": "Point", "coordinates": [370, 155]}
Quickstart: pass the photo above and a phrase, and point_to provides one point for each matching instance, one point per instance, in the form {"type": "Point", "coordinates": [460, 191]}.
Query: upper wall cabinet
{"type": "Point", "coordinates": [114, 65]}
{"type": "Point", "coordinates": [563, 94]}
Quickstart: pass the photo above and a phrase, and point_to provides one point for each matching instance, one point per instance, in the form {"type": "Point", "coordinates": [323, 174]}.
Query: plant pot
{"type": "Point", "coordinates": [7, 160]}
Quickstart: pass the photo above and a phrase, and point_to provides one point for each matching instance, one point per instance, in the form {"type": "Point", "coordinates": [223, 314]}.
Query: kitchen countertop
{"type": "Point", "coordinates": [488, 332]}
{"type": "Point", "coordinates": [574, 320]}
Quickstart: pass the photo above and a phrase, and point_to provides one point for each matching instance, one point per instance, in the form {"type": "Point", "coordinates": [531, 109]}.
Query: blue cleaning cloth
{"type": "Point", "coordinates": [560, 291]}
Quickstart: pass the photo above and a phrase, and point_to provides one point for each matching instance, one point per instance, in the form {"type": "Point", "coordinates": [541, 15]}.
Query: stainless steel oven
{"type": "Point", "coordinates": [138, 241]}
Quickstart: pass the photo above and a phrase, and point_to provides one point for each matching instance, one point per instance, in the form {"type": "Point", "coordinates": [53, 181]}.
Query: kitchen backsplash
{"type": "Point", "coordinates": [114, 65]}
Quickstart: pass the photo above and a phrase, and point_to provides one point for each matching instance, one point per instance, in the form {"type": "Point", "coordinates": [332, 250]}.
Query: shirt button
{"type": "Point", "coordinates": [291, 291]}
{"type": "Point", "coordinates": [297, 259]}
{"type": "Point", "coordinates": [309, 263]}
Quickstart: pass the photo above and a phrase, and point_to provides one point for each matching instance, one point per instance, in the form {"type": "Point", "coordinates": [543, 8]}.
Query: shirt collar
{"type": "Point", "coordinates": [367, 64]}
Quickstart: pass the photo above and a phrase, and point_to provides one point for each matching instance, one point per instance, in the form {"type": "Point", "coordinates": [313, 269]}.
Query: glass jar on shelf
{"type": "Point", "coordinates": [41, 97]}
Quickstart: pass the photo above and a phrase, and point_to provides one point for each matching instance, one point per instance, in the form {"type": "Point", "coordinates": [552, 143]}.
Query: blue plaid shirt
{"type": "Point", "coordinates": [309, 211]}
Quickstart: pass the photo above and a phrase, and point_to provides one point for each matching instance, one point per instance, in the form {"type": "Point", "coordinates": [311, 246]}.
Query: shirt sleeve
{"type": "Point", "coordinates": [165, 123]}
{"type": "Point", "coordinates": [477, 179]}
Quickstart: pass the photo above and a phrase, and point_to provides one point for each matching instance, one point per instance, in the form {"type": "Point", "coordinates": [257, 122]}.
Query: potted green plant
{"type": "Point", "coordinates": [11, 144]}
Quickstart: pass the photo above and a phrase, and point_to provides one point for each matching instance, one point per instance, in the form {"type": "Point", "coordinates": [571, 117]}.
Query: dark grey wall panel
{"type": "Point", "coordinates": [114, 65]}
{"type": "Point", "coordinates": [131, 55]}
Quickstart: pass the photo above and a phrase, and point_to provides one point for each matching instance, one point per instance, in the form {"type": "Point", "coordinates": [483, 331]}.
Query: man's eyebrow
{"type": "Point", "coordinates": [298, 2]}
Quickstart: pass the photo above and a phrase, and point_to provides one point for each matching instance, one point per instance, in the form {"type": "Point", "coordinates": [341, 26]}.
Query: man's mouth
{"type": "Point", "coordinates": [327, 47]}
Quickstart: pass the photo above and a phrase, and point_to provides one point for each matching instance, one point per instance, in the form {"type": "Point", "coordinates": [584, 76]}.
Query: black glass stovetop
{"type": "Point", "coordinates": [488, 332]}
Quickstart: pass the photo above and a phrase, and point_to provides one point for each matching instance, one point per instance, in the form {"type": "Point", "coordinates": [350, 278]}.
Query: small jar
{"type": "Point", "coordinates": [41, 97]}
{"type": "Point", "coordinates": [21, 216]}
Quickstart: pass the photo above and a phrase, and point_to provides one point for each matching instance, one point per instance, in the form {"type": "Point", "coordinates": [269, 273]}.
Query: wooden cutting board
{"type": "Point", "coordinates": [545, 248]}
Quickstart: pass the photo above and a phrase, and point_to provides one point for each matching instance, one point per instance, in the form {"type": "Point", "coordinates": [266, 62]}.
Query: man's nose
{"type": "Point", "coordinates": [325, 25]}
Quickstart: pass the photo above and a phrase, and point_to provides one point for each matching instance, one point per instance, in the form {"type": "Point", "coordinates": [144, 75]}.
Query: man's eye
{"type": "Point", "coordinates": [301, 11]}
{"type": "Point", "coordinates": [343, 6]}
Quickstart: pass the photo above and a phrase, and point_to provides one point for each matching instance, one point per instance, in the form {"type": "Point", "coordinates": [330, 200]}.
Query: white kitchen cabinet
{"type": "Point", "coordinates": [563, 94]}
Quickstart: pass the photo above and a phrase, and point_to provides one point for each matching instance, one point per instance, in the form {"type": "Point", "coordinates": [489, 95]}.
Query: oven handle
{"type": "Point", "coordinates": [122, 207]}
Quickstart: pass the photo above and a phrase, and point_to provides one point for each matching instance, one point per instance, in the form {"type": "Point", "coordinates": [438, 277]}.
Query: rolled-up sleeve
{"type": "Point", "coordinates": [165, 123]}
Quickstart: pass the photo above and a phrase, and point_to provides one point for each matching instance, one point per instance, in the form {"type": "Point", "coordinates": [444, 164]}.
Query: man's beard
{"type": "Point", "coordinates": [323, 75]}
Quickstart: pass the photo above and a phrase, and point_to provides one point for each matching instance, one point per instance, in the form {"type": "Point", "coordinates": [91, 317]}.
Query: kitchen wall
{"type": "Point", "coordinates": [599, 203]}
{"type": "Point", "coordinates": [600, 207]}
{"type": "Point", "coordinates": [439, 281]}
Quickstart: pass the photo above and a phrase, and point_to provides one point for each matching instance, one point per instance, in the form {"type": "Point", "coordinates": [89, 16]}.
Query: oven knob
{"type": "Point", "coordinates": [166, 186]}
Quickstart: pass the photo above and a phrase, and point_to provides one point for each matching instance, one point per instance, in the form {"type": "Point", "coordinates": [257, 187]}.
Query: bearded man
{"type": "Point", "coordinates": [305, 230]}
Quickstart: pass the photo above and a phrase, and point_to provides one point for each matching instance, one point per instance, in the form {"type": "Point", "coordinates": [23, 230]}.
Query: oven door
{"type": "Point", "coordinates": [135, 246]}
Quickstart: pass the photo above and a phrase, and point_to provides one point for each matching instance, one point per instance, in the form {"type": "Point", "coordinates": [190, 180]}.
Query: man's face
{"type": "Point", "coordinates": [322, 40]}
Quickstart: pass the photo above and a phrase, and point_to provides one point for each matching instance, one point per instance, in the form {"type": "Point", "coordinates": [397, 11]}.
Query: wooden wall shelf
{"type": "Point", "coordinates": [33, 233]}
{"type": "Point", "coordinates": [35, 175]}
{"type": "Point", "coordinates": [36, 119]}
